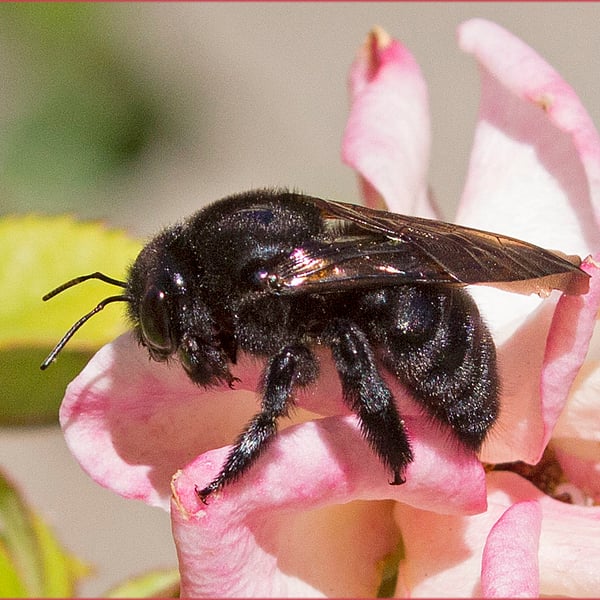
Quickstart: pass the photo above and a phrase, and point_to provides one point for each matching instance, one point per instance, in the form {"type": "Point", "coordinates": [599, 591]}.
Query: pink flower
{"type": "Point", "coordinates": [315, 516]}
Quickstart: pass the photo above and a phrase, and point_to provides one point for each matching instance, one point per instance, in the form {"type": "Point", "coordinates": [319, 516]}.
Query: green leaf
{"type": "Point", "coordinates": [62, 571]}
{"type": "Point", "coordinates": [32, 561]}
{"type": "Point", "coordinates": [18, 536]}
{"type": "Point", "coordinates": [39, 253]}
{"type": "Point", "coordinates": [157, 584]}
{"type": "Point", "coordinates": [36, 255]}
{"type": "Point", "coordinates": [33, 396]}
{"type": "Point", "coordinates": [11, 585]}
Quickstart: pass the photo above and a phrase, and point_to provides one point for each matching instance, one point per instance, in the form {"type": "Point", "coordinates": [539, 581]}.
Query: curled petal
{"type": "Point", "coordinates": [320, 552]}
{"type": "Point", "coordinates": [535, 166]}
{"type": "Point", "coordinates": [539, 363]}
{"type": "Point", "coordinates": [256, 525]}
{"type": "Point", "coordinates": [576, 437]}
{"type": "Point", "coordinates": [387, 136]}
{"type": "Point", "coordinates": [132, 422]}
{"type": "Point", "coordinates": [581, 417]}
{"type": "Point", "coordinates": [510, 555]}
{"type": "Point", "coordinates": [567, 346]}
{"type": "Point", "coordinates": [519, 431]}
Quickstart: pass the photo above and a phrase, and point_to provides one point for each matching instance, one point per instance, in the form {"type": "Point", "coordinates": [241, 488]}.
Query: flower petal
{"type": "Point", "coordinates": [519, 431]}
{"type": "Point", "coordinates": [539, 369]}
{"type": "Point", "coordinates": [223, 546]}
{"type": "Point", "coordinates": [581, 417]}
{"type": "Point", "coordinates": [535, 165]}
{"type": "Point", "coordinates": [534, 174]}
{"type": "Point", "coordinates": [444, 553]}
{"type": "Point", "coordinates": [131, 423]}
{"type": "Point", "coordinates": [305, 554]}
{"type": "Point", "coordinates": [387, 136]}
{"type": "Point", "coordinates": [567, 346]}
{"type": "Point", "coordinates": [510, 556]}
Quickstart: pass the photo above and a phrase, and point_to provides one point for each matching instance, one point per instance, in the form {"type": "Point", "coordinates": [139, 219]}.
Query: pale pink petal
{"type": "Point", "coordinates": [131, 423]}
{"type": "Point", "coordinates": [581, 416]}
{"type": "Point", "coordinates": [538, 365]}
{"type": "Point", "coordinates": [331, 551]}
{"type": "Point", "coordinates": [566, 349]}
{"type": "Point", "coordinates": [519, 432]}
{"type": "Point", "coordinates": [444, 553]}
{"type": "Point", "coordinates": [535, 165]}
{"type": "Point", "coordinates": [260, 536]}
{"type": "Point", "coordinates": [387, 136]}
{"type": "Point", "coordinates": [510, 556]}
{"type": "Point", "coordinates": [534, 174]}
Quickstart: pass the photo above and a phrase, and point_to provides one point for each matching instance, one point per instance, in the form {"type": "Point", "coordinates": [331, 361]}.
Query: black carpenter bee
{"type": "Point", "coordinates": [275, 273]}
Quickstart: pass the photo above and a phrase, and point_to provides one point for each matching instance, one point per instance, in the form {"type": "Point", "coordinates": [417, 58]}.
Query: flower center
{"type": "Point", "coordinates": [548, 476]}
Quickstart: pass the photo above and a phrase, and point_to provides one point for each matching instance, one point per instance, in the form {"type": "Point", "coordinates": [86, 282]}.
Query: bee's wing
{"type": "Point", "coordinates": [391, 248]}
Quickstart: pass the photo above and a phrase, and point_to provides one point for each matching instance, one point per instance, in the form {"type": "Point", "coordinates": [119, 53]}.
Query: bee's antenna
{"type": "Point", "coordinates": [61, 288]}
{"type": "Point", "coordinates": [81, 279]}
{"type": "Point", "coordinates": [77, 325]}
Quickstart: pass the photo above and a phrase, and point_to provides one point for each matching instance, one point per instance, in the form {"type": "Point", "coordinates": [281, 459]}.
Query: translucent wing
{"type": "Point", "coordinates": [377, 248]}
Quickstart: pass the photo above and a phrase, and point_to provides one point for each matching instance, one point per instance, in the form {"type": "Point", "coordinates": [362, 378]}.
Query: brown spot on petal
{"type": "Point", "coordinates": [377, 40]}
{"type": "Point", "coordinates": [545, 102]}
{"type": "Point", "coordinates": [380, 37]}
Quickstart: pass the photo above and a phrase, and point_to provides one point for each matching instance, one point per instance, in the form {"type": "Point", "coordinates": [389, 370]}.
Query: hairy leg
{"type": "Point", "coordinates": [367, 395]}
{"type": "Point", "coordinates": [292, 366]}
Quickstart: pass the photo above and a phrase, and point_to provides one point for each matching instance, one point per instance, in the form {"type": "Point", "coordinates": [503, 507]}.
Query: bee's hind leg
{"type": "Point", "coordinates": [368, 396]}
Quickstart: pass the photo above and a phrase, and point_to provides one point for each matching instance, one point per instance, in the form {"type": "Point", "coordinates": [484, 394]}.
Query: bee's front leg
{"type": "Point", "coordinates": [292, 366]}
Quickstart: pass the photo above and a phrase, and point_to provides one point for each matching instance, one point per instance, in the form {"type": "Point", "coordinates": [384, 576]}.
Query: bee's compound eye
{"type": "Point", "coordinates": [154, 321]}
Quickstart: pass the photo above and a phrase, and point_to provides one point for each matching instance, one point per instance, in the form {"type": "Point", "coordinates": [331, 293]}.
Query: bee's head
{"type": "Point", "coordinates": [153, 291]}
{"type": "Point", "coordinates": [157, 287]}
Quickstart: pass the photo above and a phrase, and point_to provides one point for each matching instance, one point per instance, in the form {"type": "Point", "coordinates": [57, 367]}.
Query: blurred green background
{"type": "Point", "coordinates": [77, 114]}
{"type": "Point", "coordinates": [135, 115]}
